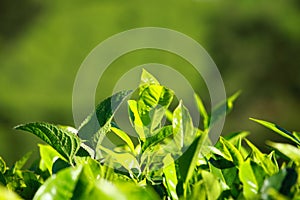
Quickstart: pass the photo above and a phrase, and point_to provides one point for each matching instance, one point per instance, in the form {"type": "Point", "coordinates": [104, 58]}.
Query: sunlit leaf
{"type": "Point", "coordinates": [202, 110]}
{"type": "Point", "coordinates": [279, 130]}
{"type": "Point", "coordinates": [8, 194]}
{"type": "Point", "coordinates": [170, 176]}
{"type": "Point", "coordinates": [124, 137]}
{"type": "Point", "coordinates": [262, 159]}
{"type": "Point", "coordinates": [288, 150]}
{"type": "Point", "coordinates": [97, 124]}
{"type": "Point", "coordinates": [183, 128]}
{"type": "Point", "coordinates": [48, 157]}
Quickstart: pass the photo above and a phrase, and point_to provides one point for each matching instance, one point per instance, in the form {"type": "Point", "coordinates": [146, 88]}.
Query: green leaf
{"type": "Point", "coordinates": [8, 194]}
{"type": "Point", "coordinates": [249, 179]}
{"type": "Point", "coordinates": [202, 111]}
{"type": "Point", "coordinates": [288, 150]}
{"type": "Point", "coordinates": [62, 140]}
{"type": "Point", "coordinates": [127, 160]}
{"type": "Point", "coordinates": [21, 162]}
{"type": "Point", "coordinates": [61, 186]}
{"type": "Point", "coordinates": [263, 160]}
{"type": "Point", "coordinates": [282, 182]}
{"type": "Point", "coordinates": [183, 128]}
{"type": "Point", "coordinates": [161, 134]}
{"type": "Point", "coordinates": [124, 137]}
{"type": "Point", "coordinates": [48, 157]}
{"type": "Point", "coordinates": [147, 79]}
{"type": "Point", "coordinates": [278, 130]}
{"type": "Point", "coordinates": [97, 124]}
{"type": "Point", "coordinates": [211, 184]}
{"type": "Point", "coordinates": [230, 152]}
{"type": "Point", "coordinates": [223, 108]}
{"type": "Point", "coordinates": [2, 165]}
{"type": "Point", "coordinates": [135, 120]}
{"type": "Point", "coordinates": [169, 171]}
{"type": "Point", "coordinates": [188, 160]}
{"type": "Point", "coordinates": [153, 97]}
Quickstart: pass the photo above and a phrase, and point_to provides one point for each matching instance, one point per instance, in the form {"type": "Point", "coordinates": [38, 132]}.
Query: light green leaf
{"type": "Point", "coordinates": [8, 194]}
{"type": "Point", "coordinates": [170, 180]}
{"type": "Point", "coordinates": [127, 160]}
{"type": "Point", "coordinates": [262, 159]}
{"type": "Point", "coordinates": [63, 141]}
{"type": "Point", "coordinates": [161, 134]}
{"type": "Point", "coordinates": [147, 79]}
{"type": "Point", "coordinates": [124, 137]}
{"type": "Point", "coordinates": [60, 186]}
{"type": "Point", "coordinates": [153, 97]}
{"type": "Point", "coordinates": [230, 152]}
{"type": "Point", "coordinates": [202, 111]}
{"type": "Point", "coordinates": [223, 108]}
{"type": "Point", "coordinates": [2, 165]}
{"type": "Point", "coordinates": [211, 184]}
{"type": "Point", "coordinates": [21, 162]}
{"type": "Point", "coordinates": [288, 150]}
{"type": "Point", "coordinates": [97, 124]}
{"type": "Point", "coordinates": [48, 157]}
{"type": "Point", "coordinates": [135, 120]}
{"type": "Point", "coordinates": [247, 177]}
{"type": "Point", "coordinates": [278, 130]}
{"type": "Point", "coordinates": [183, 128]}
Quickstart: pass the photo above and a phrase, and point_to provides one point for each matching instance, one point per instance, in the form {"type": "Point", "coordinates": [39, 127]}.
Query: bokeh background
{"type": "Point", "coordinates": [255, 44]}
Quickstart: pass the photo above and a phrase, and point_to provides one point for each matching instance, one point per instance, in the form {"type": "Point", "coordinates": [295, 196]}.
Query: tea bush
{"type": "Point", "coordinates": [166, 158]}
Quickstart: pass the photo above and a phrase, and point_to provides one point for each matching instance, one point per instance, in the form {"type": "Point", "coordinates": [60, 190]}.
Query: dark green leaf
{"type": "Point", "coordinates": [62, 140]}
{"type": "Point", "coordinates": [2, 165]}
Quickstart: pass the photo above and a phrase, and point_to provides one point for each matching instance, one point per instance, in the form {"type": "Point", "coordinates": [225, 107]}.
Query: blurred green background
{"type": "Point", "coordinates": [254, 43]}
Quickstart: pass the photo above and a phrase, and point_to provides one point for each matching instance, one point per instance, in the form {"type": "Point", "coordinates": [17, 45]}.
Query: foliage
{"type": "Point", "coordinates": [170, 159]}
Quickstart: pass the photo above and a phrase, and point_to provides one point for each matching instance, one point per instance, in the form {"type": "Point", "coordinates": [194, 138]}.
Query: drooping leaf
{"type": "Point", "coordinates": [202, 110]}
{"type": "Point", "coordinates": [97, 124]}
{"type": "Point", "coordinates": [63, 141]}
{"type": "Point", "coordinates": [287, 134]}
{"type": "Point", "coordinates": [170, 176]}
{"type": "Point", "coordinates": [288, 150]}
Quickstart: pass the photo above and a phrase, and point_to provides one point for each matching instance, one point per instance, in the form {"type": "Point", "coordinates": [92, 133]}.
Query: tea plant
{"type": "Point", "coordinates": [162, 159]}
